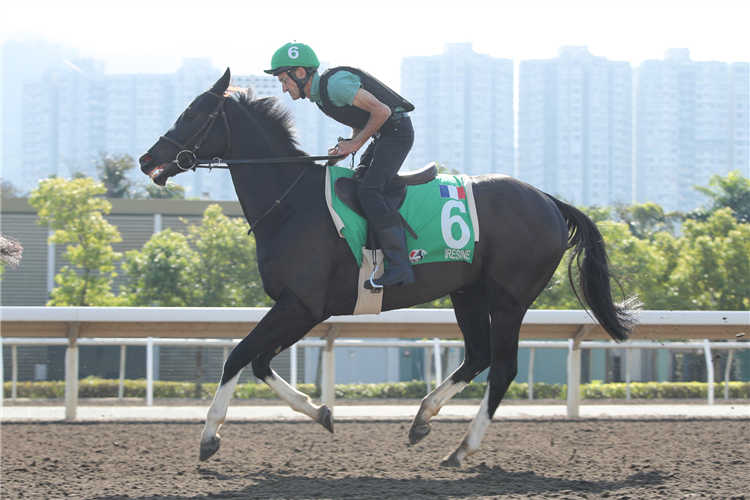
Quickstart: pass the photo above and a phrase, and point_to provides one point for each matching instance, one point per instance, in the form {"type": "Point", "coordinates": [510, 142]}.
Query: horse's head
{"type": "Point", "coordinates": [193, 131]}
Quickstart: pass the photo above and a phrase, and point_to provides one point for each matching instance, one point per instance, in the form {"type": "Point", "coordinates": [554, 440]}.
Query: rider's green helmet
{"type": "Point", "coordinates": [293, 55]}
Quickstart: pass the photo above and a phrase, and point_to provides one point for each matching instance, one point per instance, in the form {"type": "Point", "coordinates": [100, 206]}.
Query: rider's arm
{"type": "Point", "coordinates": [379, 113]}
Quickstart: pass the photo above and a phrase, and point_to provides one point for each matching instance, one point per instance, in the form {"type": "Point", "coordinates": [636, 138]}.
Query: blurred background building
{"type": "Point", "coordinates": [691, 121]}
{"type": "Point", "coordinates": [575, 127]}
{"type": "Point", "coordinates": [464, 110]}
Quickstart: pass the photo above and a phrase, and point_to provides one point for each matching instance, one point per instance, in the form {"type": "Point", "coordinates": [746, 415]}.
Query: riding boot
{"type": "Point", "coordinates": [390, 235]}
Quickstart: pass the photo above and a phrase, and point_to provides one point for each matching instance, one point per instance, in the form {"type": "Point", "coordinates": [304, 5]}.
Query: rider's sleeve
{"type": "Point", "coordinates": [342, 87]}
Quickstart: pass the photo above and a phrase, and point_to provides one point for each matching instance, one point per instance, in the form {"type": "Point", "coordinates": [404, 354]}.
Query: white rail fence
{"type": "Point", "coordinates": [434, 346]}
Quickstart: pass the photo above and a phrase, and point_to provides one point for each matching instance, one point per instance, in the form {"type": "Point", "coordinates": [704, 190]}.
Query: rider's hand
{"type": "Point", "coordinates": [346, 147]}
{"type": "Point", "coordinates": [333, 152]}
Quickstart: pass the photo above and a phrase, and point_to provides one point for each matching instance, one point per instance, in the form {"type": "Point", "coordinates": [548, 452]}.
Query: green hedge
{"type": "Point", "coordinates": [102, 388]}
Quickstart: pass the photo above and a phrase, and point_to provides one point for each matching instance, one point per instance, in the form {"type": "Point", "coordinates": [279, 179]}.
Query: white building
{"type": "Point", "coordinates": [692, 121]}
{"type": "Point", "coordinates": [75, 112]}
{"type": "Point", "coordinates": [464, 110]}
{"type": "Point", "coordinates": [575, 127]}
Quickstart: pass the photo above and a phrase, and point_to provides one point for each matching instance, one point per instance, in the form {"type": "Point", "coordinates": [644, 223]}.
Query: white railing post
{"type": "Point", "coordinates": [71, 372]}
{"type": "Point", "coordinates": [121, 385]}
{"type": "Point", "coordinates": [293, 365]}
{"type": "Point", "coordinates": [438, 362]}
{"type": "Point", "coordinates": [71, 382]}
{"type": "Point", "coordinates": [728, 373]}
{"type": "Point", "coordinates": [532, 351]}
{"type": "Point", "coordinates": [710, 370]}
{"type": "Point", "coordinates": [14, 373]}
{"type": "Point", "coordinates": [150, 371]}
{"type": "Point", "coordinates": [627, 374]}
{"type": "Point", "coordinates": [574, 379]}
{"type": "Point", "coordinates": [428, 368]}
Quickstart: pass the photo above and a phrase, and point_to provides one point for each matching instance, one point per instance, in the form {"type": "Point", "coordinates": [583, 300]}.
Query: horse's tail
{"type": "Point", "coordinates": [590, 257]}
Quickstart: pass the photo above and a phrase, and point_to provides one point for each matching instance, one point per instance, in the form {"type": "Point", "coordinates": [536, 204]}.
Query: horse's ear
{"type": "Point", "coordinates": [222, 83]}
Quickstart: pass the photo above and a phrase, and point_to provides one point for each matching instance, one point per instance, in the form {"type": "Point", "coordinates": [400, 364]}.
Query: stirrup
{"type": "Point", "coordinates": [373, 287]}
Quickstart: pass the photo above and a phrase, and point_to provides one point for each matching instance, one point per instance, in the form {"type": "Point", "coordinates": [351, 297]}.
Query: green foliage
{"type": "Point", "coordinates": [647, 219]}
{"type": "Point", "coordinates": [213, 266]}
{"type": "Point", "coordinates": [162, 273]}
{"type": "Point", "coordinates": [732, 191]}
{"type": "Point", "coordinates": [713, 267]}
{"type": "Point", "coordinates": [106, 388]}
{"type": "Point", "coordinates": [8, 190]}
{"type": "Point", "coordinates": [663, 390]}
{"type": "Point", "coordinates": [228, 271]}
{"type": "Point", "coordinates": [113, 172]}
{"type": "Point", "coordinates": [171, 191]}
{"type": "Point", "coordinates": [74, 210]}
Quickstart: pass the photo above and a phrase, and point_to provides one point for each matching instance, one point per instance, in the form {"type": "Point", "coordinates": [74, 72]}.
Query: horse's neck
{"type": "Point", "coordinates": [258, 186]}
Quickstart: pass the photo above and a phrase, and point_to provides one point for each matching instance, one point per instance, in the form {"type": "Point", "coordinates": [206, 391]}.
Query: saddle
{"type": "Point", "coordinates": [346, 187]}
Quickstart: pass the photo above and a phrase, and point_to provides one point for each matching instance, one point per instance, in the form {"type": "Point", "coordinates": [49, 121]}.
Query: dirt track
{"type": "Point", "coordinates": [618, 459]}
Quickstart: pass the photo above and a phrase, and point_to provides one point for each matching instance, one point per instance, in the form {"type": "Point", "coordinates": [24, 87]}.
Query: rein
{"type": "Point", "coordinates": [194, 162]}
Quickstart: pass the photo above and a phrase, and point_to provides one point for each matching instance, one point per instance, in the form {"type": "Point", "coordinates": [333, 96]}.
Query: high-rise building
{"type": "Point", "coordinates": [575, 127]}
{"type": "Point", "coordinates": [464, 110]}
{"type": "Point", "coordinates": [74, 112]}
{"type": "Point", "coordinates": [692, 121]}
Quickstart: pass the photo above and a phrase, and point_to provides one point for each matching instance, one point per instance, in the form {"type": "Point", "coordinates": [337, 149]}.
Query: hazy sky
{"type": "Point", "coordinates": [152, 36]}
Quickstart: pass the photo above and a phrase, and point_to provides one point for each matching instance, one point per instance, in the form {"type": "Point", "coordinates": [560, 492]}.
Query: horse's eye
{"type": "Point", "coordinates": [189, 115]}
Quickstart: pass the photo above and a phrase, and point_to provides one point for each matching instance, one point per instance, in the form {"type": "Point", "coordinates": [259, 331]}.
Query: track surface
{"type": "Point", "coordinates": [584, 459]}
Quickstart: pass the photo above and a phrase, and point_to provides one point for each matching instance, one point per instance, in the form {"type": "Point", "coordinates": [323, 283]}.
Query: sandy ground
{"type": "Point", "coordinates": [563, 459]}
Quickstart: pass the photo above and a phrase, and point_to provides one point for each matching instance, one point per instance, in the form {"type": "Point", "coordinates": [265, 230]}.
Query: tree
{"type": "Point", "coordinates": [713, 267]}
{"type": "Point", "coordinates": [113, 172]}
{"type": "Point", "coordinates": [171, 191]}
{"type": "Point", "coordinates": [228, 271]}
{"type": "Point", "coordinates": [647, 219]}
{"type": "Point", "coordinates": [73, 209]}
{"type": "Point", "coordinates": [8, 190]}
{"type": "Point", "coordinates": [732, 191]}
{"type": "Point", "coordinates": [162, 273]}
{"type": "Point", "coordinates": [213, 266]}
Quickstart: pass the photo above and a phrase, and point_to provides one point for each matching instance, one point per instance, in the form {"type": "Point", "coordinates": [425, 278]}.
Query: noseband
{"type": "Point", "coordinates": [186, 156]}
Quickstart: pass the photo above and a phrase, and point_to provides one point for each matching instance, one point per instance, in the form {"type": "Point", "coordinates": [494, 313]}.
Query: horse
{"type": "Point", "coordinates": [311, 273]}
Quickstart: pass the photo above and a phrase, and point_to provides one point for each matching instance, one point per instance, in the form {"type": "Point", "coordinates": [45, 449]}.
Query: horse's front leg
{"type": "Point", "coordinates": [210, 439]}
{"type": "Point", "coordinates": [288, 319]}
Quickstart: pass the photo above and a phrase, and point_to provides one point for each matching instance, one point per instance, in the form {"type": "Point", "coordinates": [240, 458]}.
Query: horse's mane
{"type": "Point", "coordinates": [275, 119]}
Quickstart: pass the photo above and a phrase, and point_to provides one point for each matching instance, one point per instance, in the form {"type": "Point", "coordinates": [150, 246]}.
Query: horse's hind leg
{"type": "Point", "coordinates": [296, 400]}
{"type": "Point", "coordinates": [288, 318]}
{"type": "Point", "coordinates": [506, 317]}
{"type": "Point", "coordinates": [473, 315]}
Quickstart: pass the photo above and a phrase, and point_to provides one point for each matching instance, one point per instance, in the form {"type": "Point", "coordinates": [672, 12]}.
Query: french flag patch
{"type": "Point", "coordinates": [456, 193]}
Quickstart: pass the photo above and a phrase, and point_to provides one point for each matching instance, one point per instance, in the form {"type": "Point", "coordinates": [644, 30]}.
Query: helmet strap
{"type": "Point", "coordinates": [301, 82]}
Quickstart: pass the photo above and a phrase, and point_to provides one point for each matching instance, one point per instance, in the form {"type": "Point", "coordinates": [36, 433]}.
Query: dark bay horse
{"type": "Point", "coordinates": [312, 275]}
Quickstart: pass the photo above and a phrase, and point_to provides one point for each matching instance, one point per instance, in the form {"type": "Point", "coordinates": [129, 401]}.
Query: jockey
{"type": "Point", "coordinates": [360, 101]}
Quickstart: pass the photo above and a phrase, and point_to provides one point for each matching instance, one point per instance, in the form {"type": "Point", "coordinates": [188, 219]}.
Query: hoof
{"type": "Point", "coordinates": [451, 461]}
{"type": "Point", "coordinates": [325, 418]}
{"type": "Point", "coordinates": [419, 432]}
{"type": "Point", "coordinates": [209, 448]}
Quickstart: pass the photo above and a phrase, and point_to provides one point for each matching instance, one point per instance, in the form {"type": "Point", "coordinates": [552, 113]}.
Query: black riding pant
{"type": "Point", "coordinates": [385, 155]}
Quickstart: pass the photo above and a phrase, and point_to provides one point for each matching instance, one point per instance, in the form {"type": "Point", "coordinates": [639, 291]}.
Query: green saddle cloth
{"type": "Point", "coordinates": [441, 212]}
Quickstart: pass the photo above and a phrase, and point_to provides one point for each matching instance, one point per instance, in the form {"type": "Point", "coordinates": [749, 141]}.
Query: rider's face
{"type": "Point", "coordinates": [290, 86]}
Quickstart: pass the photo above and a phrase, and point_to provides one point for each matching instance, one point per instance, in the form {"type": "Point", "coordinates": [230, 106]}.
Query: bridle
{"type": "Point", "coordinates": [193, 162]}
{"type": "Point", "coordinates": [186, 159]}
{"type": "Point", "coordinates": [206, 129]}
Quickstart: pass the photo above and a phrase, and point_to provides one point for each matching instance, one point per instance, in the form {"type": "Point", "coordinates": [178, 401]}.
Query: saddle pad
{"type": "Point", "coordinates": [442, 213]}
